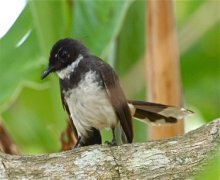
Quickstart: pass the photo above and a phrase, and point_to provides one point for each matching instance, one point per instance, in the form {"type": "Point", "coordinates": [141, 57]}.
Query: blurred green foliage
{"type": "Point", "coordinates": [211, 170]}
{"type": "Point", "coordinates": [31, 108]}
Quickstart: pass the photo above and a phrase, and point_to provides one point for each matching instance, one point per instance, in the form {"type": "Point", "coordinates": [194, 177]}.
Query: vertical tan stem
{"type": "Point", "coordinates": [163, 63]}
{"type": "Point", "coordinates": [6, 144]}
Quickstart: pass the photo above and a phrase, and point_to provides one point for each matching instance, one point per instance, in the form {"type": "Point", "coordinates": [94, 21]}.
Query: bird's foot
{"type": "Point", "coordinates": [112, 143]}
{"type": "Point", "coordinates": [78, 143]}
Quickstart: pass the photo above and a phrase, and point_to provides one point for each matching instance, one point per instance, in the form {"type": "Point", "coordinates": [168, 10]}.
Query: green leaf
{"type": "Point", "coordinates": [131, 40]}
{"type": "Point", "coordinates": [97, 23]}
{"type": "Point", "coordinates": [200, 74]}
{"type": "Point", "coordinates": [185, 9]}
{"type": "Point", "coordinates": [52, 21]}
{"type": "Point", "coordinates": [35, 121]}
{"type": "Point", "coordinates": [21, 66]}
{"type": "Point", "coordinates": [211, 169]}
{"type": "Point", "coordinates": [18, 63]}
{"type": "Point", "coordinates": [130, 50]}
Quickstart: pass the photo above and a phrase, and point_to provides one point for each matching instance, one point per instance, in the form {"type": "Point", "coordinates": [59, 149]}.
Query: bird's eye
{"type": "Point", "coordinates": [63, 54]}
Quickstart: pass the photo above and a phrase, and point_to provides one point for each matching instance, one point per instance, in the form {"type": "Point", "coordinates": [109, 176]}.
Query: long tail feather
{"type": "Point", "coordinates": [157, 113]}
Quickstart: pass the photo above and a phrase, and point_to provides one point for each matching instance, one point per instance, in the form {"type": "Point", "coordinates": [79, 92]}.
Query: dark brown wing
{"type": "Point", "coordinates": [117, 99]}
{"type": "Point", "coordinates": [65, 107]}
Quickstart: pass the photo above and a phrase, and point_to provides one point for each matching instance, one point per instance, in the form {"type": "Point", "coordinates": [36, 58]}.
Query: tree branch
{"type": "Point", "coordinates": [177, 158]}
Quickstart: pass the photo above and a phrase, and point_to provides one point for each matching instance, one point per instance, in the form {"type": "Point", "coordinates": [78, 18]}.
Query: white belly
{"type": "Point", "coordinates": [89, 106]}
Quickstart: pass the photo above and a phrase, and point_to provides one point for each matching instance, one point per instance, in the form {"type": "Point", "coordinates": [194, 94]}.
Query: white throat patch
{"type": "Point", "coordinates": [65, 73]}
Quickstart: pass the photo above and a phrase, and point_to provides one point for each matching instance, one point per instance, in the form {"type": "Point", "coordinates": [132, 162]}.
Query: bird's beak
{"type": "Point", "coordinates": [47, 72]}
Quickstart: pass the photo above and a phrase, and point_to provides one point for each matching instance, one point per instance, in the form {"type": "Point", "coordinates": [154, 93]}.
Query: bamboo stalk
{"type": "Point", "coordinates": [163, 64]}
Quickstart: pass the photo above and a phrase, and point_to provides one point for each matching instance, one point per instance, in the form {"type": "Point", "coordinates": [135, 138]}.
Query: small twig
{"type": "Point", "coordinates": [6, 143]}
{"type": "Point", "coordinates": [67, 138]}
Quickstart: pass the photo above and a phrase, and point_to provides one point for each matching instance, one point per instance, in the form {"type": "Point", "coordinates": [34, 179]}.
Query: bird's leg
{"type": "Point", "coordinates": [93, 137]}
{"type": "Point", "coordinates": [78, 143]}
{"type": "Point", "coordinates": [113, 142]}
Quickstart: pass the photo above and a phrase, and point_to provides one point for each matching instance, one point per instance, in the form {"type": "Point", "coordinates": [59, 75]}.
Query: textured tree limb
{"type": "Point", "coordinates": [177, 158]}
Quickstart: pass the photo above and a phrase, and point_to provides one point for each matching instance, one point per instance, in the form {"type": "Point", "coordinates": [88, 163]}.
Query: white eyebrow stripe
{"type": "Point", "coordinates": [66, 72]}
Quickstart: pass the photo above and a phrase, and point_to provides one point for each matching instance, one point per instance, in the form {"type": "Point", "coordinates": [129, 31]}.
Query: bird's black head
{"type": "Point", "coordinates": [63, 53]}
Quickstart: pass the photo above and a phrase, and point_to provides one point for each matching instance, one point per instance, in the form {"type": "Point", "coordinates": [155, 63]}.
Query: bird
{"type": "Point", "coordinates": [93, 98]}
